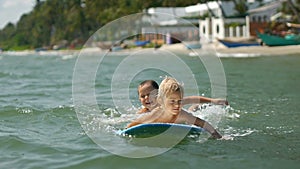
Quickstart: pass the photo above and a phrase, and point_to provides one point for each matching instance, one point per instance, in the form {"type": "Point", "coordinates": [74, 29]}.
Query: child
{"type": "Point", "coordinates": [147, 91]}
{"type": "Point", "coordinates": [170, 97]}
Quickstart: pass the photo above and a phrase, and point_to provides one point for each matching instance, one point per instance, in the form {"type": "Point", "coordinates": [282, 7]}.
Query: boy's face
{"type": "Point", "coordinates": [147, 96]}
{"type": "Point", "coordinates": [173, 103]}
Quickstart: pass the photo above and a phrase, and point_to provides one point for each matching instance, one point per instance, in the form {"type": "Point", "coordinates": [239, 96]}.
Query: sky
{"type": "Point", "coordinates": [12, 10]}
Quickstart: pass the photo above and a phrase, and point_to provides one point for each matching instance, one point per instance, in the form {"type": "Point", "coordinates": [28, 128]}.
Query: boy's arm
{"type": "Point", "coordinates": [143, 110]}
{"type": "Point", "coordinates": [209, 128]}
{"type": "Point", "coordinates": [141, 119]}
{"type": "Point", "coordinates": [134, 123]}
{"type": "Point", "coordinates": [149, 117]}
{"type": "Point", "coordinates": [137, 121]}
{"type": "Point", "coordinates": [189, 118]}
{"type": "Point", "coordinates": [201, 99]}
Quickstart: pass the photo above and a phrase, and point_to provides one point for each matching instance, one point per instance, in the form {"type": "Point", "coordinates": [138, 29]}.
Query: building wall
{"type": "Point", "coordinates": [218, 28]}
{"type": "Point", "coordinates": [215, 28]}
{"type": "Point", "coordinates": [258, 26]}
{"type": "Point", "coordinates": [204, 29]}
{"type": "Point", "coordinates": [174, 33]}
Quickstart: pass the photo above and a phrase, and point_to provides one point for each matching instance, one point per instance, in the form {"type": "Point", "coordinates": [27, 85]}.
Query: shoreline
{"type": "Point", "coordinates": [219, 49]}
{"type": "Point", "coordinates": [263, 50]}
{"type": "Point", "coordinates": [247, 51]}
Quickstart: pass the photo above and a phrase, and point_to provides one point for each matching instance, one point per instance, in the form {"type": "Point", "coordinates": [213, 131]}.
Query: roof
{"type": "Point", "coordinates": [270, 6]}
{"type": "Point", "coordinates": [201, 7]}
{"type": "Point", "coordinates": [166, 15]}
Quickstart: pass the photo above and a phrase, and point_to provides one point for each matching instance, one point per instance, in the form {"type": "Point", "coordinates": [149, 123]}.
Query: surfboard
{"type": "Point", "coordinates": [152, 129]}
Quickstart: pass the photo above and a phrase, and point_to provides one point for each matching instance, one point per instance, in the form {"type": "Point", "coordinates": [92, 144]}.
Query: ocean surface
{"type": "Point", "coordinates": [45, 123]}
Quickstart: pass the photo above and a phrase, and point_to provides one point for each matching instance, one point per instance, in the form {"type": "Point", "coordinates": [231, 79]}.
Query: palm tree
{"type": "Point", "coordinates": [294, 9]}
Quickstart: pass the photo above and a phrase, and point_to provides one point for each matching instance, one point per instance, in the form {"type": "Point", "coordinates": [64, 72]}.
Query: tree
{"type": "Point", "coordinates": [295, 10]}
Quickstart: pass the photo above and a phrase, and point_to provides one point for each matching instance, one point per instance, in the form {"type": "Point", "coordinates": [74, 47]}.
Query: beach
{"type": "Point", "coordinates": [262, 50]}
{"type": "Point", "coordinates": [216, 47]}
{"type": "Point", "coordinates": [221, 50]}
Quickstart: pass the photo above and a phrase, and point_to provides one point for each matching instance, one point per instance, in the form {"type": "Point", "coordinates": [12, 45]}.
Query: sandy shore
{"type": "Point", "coordinates": [263, 50]}
{"type": "Point", "coordinates": [217, 48]}
{"type": "Point", "coordinates": [252, 50]}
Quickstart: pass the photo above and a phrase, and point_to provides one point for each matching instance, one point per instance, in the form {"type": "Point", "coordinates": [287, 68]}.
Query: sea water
{"type": "Point", "coordinates": [41, 124]}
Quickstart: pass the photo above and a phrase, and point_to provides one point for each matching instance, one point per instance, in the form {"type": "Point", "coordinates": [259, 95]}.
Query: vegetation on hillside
{"type": "Point", "coordinates": [53, 22]}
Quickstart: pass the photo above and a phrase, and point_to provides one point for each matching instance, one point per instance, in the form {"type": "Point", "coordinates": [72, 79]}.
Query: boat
{"type": "Point", "coordinates": [239, 43]}
{"type": "Point", "coordinates": [195, 45]}
{"type": "Point", "coordinates": [274, 40]}
{"type": "Point", "coordinates": [116, 48]}
{"type": "Point", "coordinates": [105, 44]}
{"type": "Point", "coordinates": [293, 25]}
{"type": "Point", "coordinates": [141, 43]}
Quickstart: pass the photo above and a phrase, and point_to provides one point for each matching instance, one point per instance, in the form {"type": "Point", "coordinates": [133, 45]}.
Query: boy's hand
{"type": "Point", "coordinates": [220, 101]}
{"type": "Point", "coordinates": [216, 135]}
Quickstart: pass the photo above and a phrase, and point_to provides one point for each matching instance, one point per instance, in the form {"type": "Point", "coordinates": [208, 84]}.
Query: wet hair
{"type": "Point", "coordinates": [168, 86]}
{"type": "Point", "coordinates": [151, 82]}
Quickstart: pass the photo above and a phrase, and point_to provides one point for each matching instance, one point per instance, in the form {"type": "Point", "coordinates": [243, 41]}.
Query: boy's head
{"type": "Point", "coordinates": [147, 92]}
{"type": "Point", "coordinates": [168, 86]}
{"type": "Point", "coordinates": [170, 95]}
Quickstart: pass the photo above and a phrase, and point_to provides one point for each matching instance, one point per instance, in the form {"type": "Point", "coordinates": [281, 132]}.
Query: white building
{"type": "Point", "coordinates": [221, 25]}
{"type": "Point", "coordinates": [218, 24]}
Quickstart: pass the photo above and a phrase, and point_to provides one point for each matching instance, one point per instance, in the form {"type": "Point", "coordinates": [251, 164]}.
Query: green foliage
{"type": "Point", "coordinates": [291, 8]}
{"type": "Point", "coordinates": [233, 24]}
